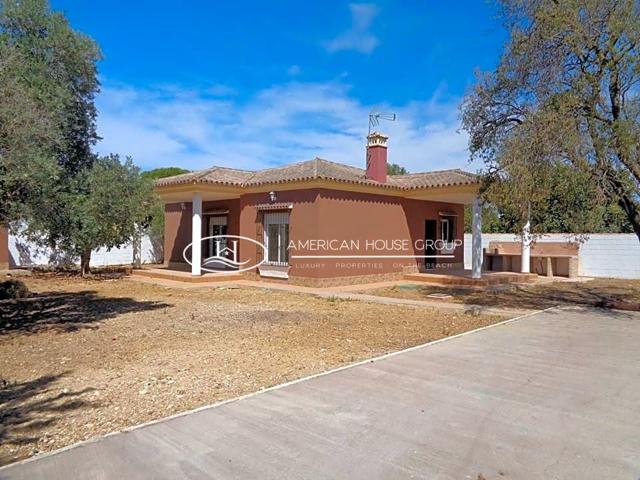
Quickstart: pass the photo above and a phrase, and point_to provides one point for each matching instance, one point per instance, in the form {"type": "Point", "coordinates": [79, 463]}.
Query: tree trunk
{"type": "Point", "coordinates": [610, 176]}
{"type": "Point", "coordinates": [137, 249]}
{"type": "Point", "coordinates": [632, 212]}
{"type": "Point", "coordinates": [85, 259]}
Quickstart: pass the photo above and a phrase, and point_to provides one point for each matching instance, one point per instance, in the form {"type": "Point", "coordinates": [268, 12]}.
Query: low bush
{"type": "Point", "coordinates": [13, 289]}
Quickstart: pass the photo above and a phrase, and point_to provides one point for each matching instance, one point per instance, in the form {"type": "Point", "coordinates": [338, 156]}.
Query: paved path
{"type": "Point", "coordinates": [552, 396]}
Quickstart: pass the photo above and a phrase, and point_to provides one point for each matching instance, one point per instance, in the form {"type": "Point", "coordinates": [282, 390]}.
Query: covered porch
{"type": "Point", "coordinates": [196, 212]}
{"type": "Point", "coordinates": [197, 224]}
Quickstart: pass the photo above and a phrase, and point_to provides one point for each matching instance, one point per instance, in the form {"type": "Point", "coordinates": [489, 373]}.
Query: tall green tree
{"type": "Point", "coordinates": [58, 70]}
{"type": "Point", "coordinates": [51, 69]}
{"type": "Point", "coordinates": [48, 81]}
{"type": "Point", "coordinates": [568, 78]}
{"type": "Point", "coordinates": [28, 140]}
{"type": "Point", "coordinates": [104, 207]}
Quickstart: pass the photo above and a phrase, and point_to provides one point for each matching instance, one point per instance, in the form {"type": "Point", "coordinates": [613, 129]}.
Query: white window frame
{"type": "Point", "coordinates": [443, 229]}
{"type": "Point", "coordinates": [275, 218]}
{"type": "Point", "coordinates": [447, 226]}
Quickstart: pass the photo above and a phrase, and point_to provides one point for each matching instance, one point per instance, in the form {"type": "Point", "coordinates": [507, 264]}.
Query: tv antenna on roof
{"type": "Point", "coordinates": [374, 121]}
{"type": "Point", "coordinates": [375, 117]}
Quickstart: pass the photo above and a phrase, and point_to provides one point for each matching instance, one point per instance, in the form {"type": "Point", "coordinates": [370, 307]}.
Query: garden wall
{"type": "Point", "coordinates": [614, 255]}
{"type": "Point", "coordinates": [25, 254]}
{"type": "Point", "coordinates": [601, 255]}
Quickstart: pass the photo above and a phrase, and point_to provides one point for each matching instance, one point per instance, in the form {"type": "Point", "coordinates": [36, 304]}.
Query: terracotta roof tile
{"type": "Point", "coordinates": [439, 178]}
{"type": "Point", "coordinates": [319, 168]}
{"type": "Point", "coordinates": [222, 175]}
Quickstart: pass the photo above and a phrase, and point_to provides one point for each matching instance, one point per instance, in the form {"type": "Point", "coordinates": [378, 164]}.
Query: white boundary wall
{"type": "Point", "coordinates": [601, 254]}
{"type": "Point", "coordinates": [613, 255]}
{"type": "Point", "coordinates": [26, 254]}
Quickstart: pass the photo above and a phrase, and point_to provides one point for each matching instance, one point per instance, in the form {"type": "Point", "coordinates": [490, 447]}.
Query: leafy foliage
{"type": "Point", "coordinates": [567, 207]}
{"type": "Point", "coordinates": [13, 289]}
{"type": "Point", "coordinates": [564, 96]}
{"type": "Point", "coordinates": [395, 169]}
{"type": "Point", "coordinates": [162, 172]}
{"type": "Point", "coordinates": [156, 213]}
{"type": "Point", "coordinates": [103, 207]}
{"type": "Point", "coordinates": [47, 115]}
{"type": "Point", "coordinates": [70, 200]}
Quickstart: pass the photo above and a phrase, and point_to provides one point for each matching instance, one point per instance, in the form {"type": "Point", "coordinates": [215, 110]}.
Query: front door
{"type": "Point", "coordinates": [430, 237]}
{"type": "Point", "coordinates": [217, 227]}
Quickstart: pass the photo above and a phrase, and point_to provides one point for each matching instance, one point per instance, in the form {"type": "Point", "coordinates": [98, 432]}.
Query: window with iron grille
{"type": "Point", "coordinates": [276, 236]}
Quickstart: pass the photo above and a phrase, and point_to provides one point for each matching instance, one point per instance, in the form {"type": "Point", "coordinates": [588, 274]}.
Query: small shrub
{"type": "Point", "coordinates": [13, 289]}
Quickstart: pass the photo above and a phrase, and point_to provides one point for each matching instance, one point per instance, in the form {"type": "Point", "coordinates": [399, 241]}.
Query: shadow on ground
{"type": "Point", "coordinates": [622, 296]}
{"type": "Point", "coordinates": [29, 408]}
{"type": "Point", "coordinates": [66, 311]}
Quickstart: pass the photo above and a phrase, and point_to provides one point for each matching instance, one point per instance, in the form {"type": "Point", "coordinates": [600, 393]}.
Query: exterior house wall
{"type": "Point", "coordinates": [4, 248]}
{"type": "Point", "coordinates": [326, 214]}
{"type": "Point", "coordinates": [381, 219]}
{"type": "Point", "coordinates": [303, 221]}
{"type": "Point", "coordinates": [177, 225]}
{"type": "Point", "coordinates": [177, 230]}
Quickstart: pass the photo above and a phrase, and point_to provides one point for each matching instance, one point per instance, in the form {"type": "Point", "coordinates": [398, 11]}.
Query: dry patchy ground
{"type": "Point", "coordinates": [604, 293]}
{"type": "Point", "coordinates": [82, 358]}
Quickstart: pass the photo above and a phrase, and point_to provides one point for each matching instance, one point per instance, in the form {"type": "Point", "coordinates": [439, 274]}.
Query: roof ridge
{"type": "Point", "coordinates": [320, 168]}
{"type": "Point", "coordinates": [202, 173]}
{"type": "Point", "coordinates": [429, 172]}
{"type": "Point", "coordinates": [339, 163]}
{"type": "Point", "coordinates": [289, 165]}
{"type": "Point", "coordinates": [234, 169]}
{"type": "Point", "coordinates": [285, 166]}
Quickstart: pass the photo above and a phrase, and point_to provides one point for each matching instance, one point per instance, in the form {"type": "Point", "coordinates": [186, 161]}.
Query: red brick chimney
{"type": "Point", "coordinates": [377, 157]}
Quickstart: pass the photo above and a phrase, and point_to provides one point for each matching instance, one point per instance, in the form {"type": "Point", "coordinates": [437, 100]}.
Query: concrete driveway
{"type": "Point", "coordinates": [551, 396]}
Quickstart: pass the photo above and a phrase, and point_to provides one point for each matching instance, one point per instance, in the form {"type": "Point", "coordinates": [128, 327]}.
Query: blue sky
{"type": "Point", "coordinates": [259, 84]}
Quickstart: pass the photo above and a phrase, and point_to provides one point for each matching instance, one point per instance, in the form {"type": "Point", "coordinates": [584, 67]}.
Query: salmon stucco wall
{"type": "Point", "coordinates": [4, 248]}
{"type": "Point", "coordinates": [303, 220]}
{"type": "Point", "coordinates": [375, 225]}
{"type": "Point", "coordinates": [321, 220]}
{"type": "Point", "coordinates": [177, 225]}
{"type": "Point", "coordinates": [370, 224]}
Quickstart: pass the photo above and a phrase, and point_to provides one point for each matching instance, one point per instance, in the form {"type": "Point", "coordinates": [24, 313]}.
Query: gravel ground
{"type": "Point", "coordinates": [82, 358]}
{"type": "Point", "coordinates": [601, 292]}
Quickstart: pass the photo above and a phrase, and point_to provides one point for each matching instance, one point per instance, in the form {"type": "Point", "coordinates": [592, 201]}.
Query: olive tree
{"type": "Point", "coordinates": [568, 85]}
{"type": "Point", "coordinates": [104, 208]}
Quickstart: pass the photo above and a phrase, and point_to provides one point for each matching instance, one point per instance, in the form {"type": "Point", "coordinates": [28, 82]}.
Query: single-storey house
{"type": "Point", "coordinates": [318, 222]}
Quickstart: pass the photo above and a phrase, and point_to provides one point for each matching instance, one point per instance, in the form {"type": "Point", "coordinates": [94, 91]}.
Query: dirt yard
{"type": "Point", "coordinates": [81, 358]}
{"type": "Point", "coordinates": [605, 293]}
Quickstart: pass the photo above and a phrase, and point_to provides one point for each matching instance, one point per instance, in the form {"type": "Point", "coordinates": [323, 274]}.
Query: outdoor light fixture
{"type": "Point", "coordinates": [272, 196]}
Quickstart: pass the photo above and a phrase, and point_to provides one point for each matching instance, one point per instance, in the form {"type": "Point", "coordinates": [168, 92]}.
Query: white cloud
{"type": "Point", "coordinates": [286, 123]}
{"type": "Point", "coordinates": [358, 37]}
{"type": "Point", "coordinates": [294, 70]}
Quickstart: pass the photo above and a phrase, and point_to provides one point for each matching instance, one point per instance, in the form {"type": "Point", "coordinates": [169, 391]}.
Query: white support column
{"type": "Point", "coordinates": [526, 249]}
{"type": "Point", "coordinates": [196, 235]}
{"type": "Point", "coordinates": [476, 239]}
